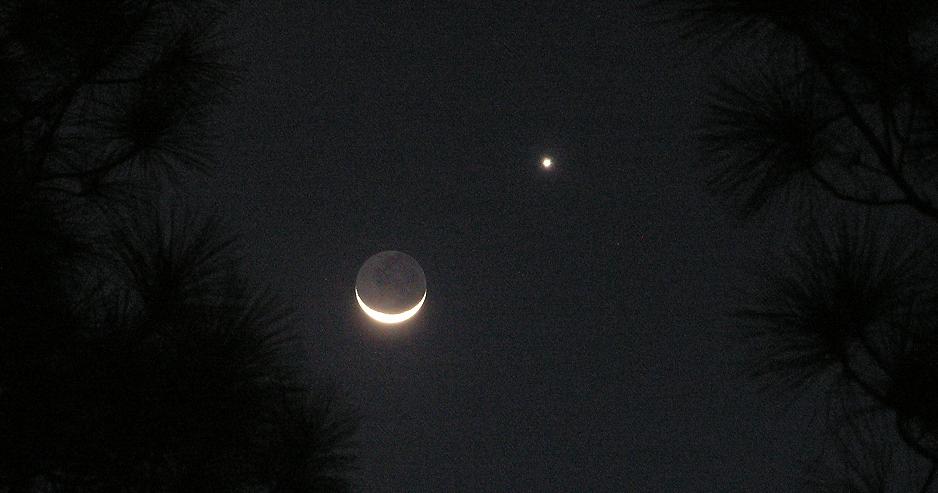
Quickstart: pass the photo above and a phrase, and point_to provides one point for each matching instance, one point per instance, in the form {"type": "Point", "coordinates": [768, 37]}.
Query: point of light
{"type": "Point", "coordinates": [389, 318]}
{"type": "Point", "coordinates": [547, 162]}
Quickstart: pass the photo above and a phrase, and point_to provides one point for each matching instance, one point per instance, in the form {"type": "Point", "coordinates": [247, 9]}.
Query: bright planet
{"type": "Point", "coordinates": [390, 287]}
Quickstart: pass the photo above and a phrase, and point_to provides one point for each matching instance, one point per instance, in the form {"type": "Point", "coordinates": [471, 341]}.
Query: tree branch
{"type": "Point", "coordinates": [833, 190]}
{"type": "Point", "coordinates": [68, 95]}
{"type": "Point", "coordinates": [817, 52]}
{"type": "Point", "coordinates": [98, 171]}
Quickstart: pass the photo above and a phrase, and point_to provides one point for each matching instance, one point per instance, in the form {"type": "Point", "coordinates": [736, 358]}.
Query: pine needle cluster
{"type": "Point", "coordinates": [135, 352]}
{"type": "Point", "coordinates": [828, 112]}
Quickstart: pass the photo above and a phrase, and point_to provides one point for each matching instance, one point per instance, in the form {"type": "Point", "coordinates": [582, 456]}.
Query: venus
{"type": "Point", "coordinates": [390, 287]}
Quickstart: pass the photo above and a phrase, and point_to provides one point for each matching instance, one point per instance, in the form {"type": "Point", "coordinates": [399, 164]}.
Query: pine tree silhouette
{"type": "Point", "coordinates": [828, 111]}
{"type": "Point", "coordinates": [135, 353]}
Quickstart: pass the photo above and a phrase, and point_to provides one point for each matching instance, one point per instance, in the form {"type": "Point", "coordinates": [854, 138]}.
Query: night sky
{"type": "Point", "coordinates": [573, 337]}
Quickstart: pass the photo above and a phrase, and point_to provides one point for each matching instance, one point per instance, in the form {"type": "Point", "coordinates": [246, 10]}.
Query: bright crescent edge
{"type": "Point", "coordinates": [390, 318]}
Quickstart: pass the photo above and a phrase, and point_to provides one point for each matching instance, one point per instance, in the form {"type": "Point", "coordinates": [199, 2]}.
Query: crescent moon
{"type": "Point", "coordinates": [390, 318]}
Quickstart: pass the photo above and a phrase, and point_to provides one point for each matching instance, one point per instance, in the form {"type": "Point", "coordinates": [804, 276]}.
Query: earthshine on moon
{"type": "Point", "coordinates": [390, 287]}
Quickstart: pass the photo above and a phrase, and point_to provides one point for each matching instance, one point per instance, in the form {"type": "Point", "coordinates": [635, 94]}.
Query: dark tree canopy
{"type": "Point", "coordinates": [135, 353]}
{"type": "Point", "coordinates": [840, 94]}
{"type": "Point", "coordinates": [828, 112]}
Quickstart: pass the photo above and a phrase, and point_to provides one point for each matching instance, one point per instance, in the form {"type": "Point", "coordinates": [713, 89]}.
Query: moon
{"type": "Point", "coordinates": [390, 287]}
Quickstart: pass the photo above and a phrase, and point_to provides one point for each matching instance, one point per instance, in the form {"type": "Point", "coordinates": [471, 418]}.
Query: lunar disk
{"type": "Point", "coordinates": [390, 287]}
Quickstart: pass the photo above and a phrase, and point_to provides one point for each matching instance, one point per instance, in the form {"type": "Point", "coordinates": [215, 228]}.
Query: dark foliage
{"type": "Point", "coordinates": [862, 452]}
{"type": "Point", "coordinates": [842, 304]}
{"type": "Point", "coordinates": [844, 90]}
{"type": "Point", "coordinates": [135, 355]}
{"type": "Point", "coordinates": [836, 103]}
{"type": "Point", "coordinates": [854, 310]}
{"type": "Point", "coordinates": [102, 89]}
{"type": "Point", "coordinates": [166, 372]}
{"type": "Point", "coordinates": [771, 135]}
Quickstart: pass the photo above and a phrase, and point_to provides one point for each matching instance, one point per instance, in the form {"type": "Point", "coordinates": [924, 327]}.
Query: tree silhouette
{"type": "Point", "coordinates": [135, 353]}
{"type": "Point", "coordinates": [828, 112]}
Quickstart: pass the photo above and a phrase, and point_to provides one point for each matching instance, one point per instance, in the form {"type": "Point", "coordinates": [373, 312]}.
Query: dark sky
{"type": "Point", "coordinates": [572, 337]}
